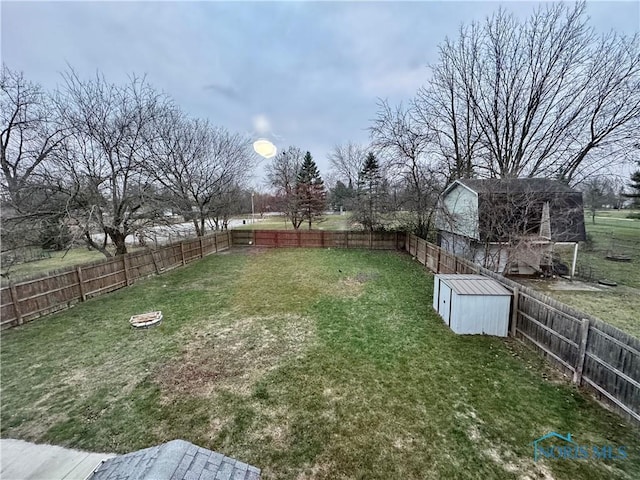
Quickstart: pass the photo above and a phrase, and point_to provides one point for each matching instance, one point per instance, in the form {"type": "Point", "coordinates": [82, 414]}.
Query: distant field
{"type": "Point", "coordinates": [328, 222]}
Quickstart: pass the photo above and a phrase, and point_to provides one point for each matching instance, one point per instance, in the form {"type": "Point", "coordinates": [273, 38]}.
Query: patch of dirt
{"type": "Point", "coordinates": [235, 357]}
{"type": "Point", "coordinates": [318, 470]}
{"type": "Point", "coordinates": [275, 427]}
{"type": "Point", "coordinates": [353, 286]}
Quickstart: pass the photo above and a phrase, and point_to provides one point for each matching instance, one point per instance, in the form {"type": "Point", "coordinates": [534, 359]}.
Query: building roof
{"type": "Point", "coordinates": [516, 206]}
{"type": "Point", "coordinates": [516, 185]}
{"type": "Point", "coordinates": [177, 460]}
{"type": "Point", "coordinates": [473, 285]}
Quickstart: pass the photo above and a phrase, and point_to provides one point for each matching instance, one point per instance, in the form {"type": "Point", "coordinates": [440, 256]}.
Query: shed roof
{"type": "Point", "coordinates": [473, 285]}
{"type": "Point", "coordinates": [178, 460]}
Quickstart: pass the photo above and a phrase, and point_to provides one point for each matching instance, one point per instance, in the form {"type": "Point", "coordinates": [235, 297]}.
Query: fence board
{"type": "Point", "coordinates": [57, 290]}
{"type": "Point", "coordinates": [600, 356]}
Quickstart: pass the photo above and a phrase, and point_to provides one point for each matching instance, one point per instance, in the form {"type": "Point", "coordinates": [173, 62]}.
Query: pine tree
{"type": "Point", "coordinates": [635, 188]}
{"type": "Point", "coordinates": [310, 190]}
{"type": "Point", "coordinates": [635, 184]}
{"type": "Point", "coordinates": [370, 193]}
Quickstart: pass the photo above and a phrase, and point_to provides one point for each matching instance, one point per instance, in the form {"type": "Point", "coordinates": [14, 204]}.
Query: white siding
{"type": "Point", "coordinates": [480, 314]}
{"type": "Point", "coordinates": [471, 314]}
{"type": "Point", "coordinates": [459, 212]}
{"type": "Point", "coordinates": [495, 258]}
{"type": "Point", "coordinates": [457, 245]}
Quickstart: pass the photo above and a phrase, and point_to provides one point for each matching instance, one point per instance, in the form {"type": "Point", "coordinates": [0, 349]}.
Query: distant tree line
{"type": "Point", "coordinates": [95, 157]}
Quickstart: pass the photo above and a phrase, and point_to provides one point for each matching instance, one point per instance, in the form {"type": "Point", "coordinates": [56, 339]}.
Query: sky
{"type": "Point", "coordinates": [307, 74]}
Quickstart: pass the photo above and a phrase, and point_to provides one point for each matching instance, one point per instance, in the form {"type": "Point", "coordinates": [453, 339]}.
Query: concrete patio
{"type": "Point", "coordinates": [21, 460]}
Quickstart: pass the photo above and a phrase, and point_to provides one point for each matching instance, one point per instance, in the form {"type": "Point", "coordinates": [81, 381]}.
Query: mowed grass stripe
{"type": "Point", "coordinates": [308, 363]}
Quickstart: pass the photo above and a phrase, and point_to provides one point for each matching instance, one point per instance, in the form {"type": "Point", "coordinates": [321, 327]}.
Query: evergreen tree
{"type": "Point", "coordinates": [310, 190]}
{"type": "Point", "coordinates": [635, 186]}
{"type": "Point", "coordinates": [342, 196]}
{"type": "Point", "coordinates": [370, 194]}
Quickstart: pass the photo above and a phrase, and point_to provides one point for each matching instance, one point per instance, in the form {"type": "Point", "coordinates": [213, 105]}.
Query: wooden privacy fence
{"type": "Point", "coordinates": [24, 301]}
{"type": "Point", "coordinates": [595, 354]}
{"type": "Point", "coordinates": [320, 238]}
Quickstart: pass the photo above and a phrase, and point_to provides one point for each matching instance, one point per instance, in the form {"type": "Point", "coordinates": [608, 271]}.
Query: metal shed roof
{"type": "Point", "coordinates": [473, 285]}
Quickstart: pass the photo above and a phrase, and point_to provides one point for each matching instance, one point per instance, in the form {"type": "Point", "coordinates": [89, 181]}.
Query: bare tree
{"type": "Point", "coordinates": [541, 97]}
{"type": "Point", "coordinates": [102, 169]}
{"type": "Point", "coordinates": [282, 175]}
{"type": "Point", "coordinates": [441, 109]}
{"type": "Point", "coordinates": [347, 161]}
{"type": "Point", "coordinates": [30, 134]}
{"type": "Point", "coordinates": [200, 167]}
{"type": "Point", "coordinates": [397, 134]}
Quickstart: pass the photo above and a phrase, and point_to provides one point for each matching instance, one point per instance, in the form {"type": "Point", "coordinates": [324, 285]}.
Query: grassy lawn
{"type": "Point", "coordinates": [328, 222]}
{"type": "Point", "coordinates": [614, 233]}
{"type": "Point", "coordinates": [307, 363]}
{"type": "Point", "coordinates": [57, 260]}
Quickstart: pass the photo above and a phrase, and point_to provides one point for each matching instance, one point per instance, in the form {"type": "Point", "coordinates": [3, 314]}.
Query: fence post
{"type": "Point", "coordinates": [582, 352]}
{"type": "Point", "coordinates": [215, 241]}
{"type": "Point", "coordinates": [514, 311]}
{"type": "Point", "coordinates": [155, 263]}
{"type": "Point", "coordinates": [322, 238]}
{"type": "Point", "coordinates": [182, 252]}
{"type": "Point", "coordinates": [83, 295]}
{"type": "Point", "coordinates": [125, 264]}
{"type": "Point", "coordinates": [201, 249]}
{"type": "Point", "coordinates": [346, 237]}
{"type": "Point", "coordinates": [14, 299]}
{"type": "Point", "coordinates": [370, 244]}
{"type": "Point", "coordinates": [438, 260]}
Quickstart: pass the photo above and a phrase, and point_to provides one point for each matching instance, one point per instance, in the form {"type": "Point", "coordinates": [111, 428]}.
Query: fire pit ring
{"type": "Point", "coordinates": [146, 320]}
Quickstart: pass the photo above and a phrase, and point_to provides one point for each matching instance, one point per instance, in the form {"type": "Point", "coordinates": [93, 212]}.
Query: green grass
{"type": "Point", "coordinates": [307, 363]}
{"type": "Point", "coordinates": [57, 260]}
{"type": "Point", "coordinates": [612, 233]}
{"type": "Point", "coordinates": [618, 306]}
{"type": "Point", "coordinates": [327, 222]}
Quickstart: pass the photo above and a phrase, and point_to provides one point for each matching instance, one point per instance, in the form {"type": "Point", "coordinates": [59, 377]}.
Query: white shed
{"type": "Point", "coordinates": [472, 304]}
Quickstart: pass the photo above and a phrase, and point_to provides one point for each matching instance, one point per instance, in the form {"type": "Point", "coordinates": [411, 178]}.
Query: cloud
{"type": "Point", "coordinates": [226, 91]}
{"type": "Point", "coordinates": [261, 124]}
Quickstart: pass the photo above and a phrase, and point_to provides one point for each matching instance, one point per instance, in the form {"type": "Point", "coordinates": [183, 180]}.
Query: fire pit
{"type": "Point", "coordinates": [145, 320]}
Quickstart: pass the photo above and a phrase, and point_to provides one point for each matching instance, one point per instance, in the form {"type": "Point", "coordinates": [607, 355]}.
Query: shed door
{"type": "Point", "coordinates": [445, 303]}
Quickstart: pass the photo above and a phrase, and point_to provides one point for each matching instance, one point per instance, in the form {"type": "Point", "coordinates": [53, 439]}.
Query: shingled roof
{"type": "Point", "coordinates": [516, 185]}
{"type": "Point", "coordinates": [515, 205]}
{"type": "Point", "coordinates": [177, 460]}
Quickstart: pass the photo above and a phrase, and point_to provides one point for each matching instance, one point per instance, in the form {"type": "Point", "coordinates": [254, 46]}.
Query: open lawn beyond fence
{"type": "Point", "coordinates": [595, 354]}
{"type": "Point", "coordinates": [308, 363]}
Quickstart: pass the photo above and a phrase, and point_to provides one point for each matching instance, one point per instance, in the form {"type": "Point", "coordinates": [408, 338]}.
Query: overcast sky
{"type": "Point", "coordinates": [308, 73]}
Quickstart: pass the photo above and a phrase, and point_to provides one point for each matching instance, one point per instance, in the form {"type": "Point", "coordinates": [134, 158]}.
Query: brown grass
{"type": "Point", "coordinates": [235, 357]}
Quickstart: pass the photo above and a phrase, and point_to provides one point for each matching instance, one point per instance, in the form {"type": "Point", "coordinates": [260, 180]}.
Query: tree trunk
{"type": "Point", "coordinates": [117, 237]}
